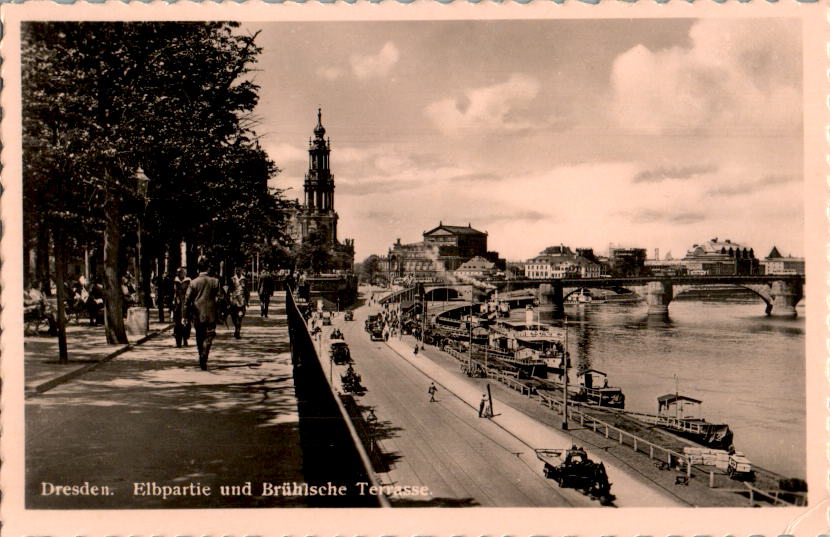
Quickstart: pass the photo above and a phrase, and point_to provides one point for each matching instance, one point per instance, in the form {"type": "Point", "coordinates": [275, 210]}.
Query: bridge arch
{"type": "Point", "coordinates": [438, 294]}
{"type": "Point", "coordinates": [761, 290]}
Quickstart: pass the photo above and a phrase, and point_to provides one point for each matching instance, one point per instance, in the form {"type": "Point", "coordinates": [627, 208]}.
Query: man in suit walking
{"type": "Point", "coordinates": [181, 320]}
{"type": "Point", "coordinates": [200, 300]}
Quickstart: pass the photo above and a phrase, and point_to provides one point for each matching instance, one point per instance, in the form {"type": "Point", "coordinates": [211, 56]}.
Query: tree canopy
{"type": "Point", "coordinates": [102, 99]}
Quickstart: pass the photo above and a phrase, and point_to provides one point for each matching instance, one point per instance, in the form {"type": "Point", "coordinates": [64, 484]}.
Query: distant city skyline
{"type": "Point", "coordinates": [660, 134]}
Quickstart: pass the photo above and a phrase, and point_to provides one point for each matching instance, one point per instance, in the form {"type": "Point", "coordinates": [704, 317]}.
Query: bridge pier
{"type": "Point", "coordinates": [551, 294]}
{"type": "Point", "coordinates": [658, 297]}
{"type": "Point", "coordinates": [785, 295]}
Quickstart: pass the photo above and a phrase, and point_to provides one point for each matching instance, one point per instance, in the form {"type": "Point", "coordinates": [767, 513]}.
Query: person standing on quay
{"type": "Point", "coordinates": [266, 289]}
{"type": "Point", "coordinates": [239, 301]}
{"type": "Point", "coordinates": [200, 301]}
{"type": "Point", "coordinates": [432, 389]}
{"type": "Point", "coordinates": [181, 321]}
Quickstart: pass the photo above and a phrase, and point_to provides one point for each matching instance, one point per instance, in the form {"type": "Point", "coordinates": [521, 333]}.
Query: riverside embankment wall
{"type": "Point", "coordinates": [332, 451]}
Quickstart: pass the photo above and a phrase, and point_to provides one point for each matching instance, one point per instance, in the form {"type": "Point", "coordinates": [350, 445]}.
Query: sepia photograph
{"type": "Point", "coordinates": [456, 263]}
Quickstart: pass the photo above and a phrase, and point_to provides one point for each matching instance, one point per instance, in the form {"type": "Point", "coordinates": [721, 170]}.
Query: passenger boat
{"type": "Point", "coordinates": [528, 344]}
{"type": "Point", "coordinates": [584, 298]}
{"type": "Point", "coordinates": [680, 415]}
{"type": "Point", "coordinates": [592, 388]}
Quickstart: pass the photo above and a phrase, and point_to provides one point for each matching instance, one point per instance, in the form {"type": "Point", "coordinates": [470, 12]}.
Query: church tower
{"type": "Point", "coordinates": [318, 211]}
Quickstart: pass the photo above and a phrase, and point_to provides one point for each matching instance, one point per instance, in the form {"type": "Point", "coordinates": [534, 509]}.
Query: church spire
{"type": "Point", "coordinates": [319, 130]}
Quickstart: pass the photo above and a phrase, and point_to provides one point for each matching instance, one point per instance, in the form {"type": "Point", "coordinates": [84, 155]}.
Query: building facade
{"type": "Point", "coordinates": [443, 250]}
{"type": "Point", "coordinates": [775, 263]}
{"type": "Point", "coordinates": [626, 262]}
{"type": "Point", "coordinates": [556, 262]}
{"type": "Point", "coordinates": [477, 267]}
{"type": "Point", "coordinates": [721, 258]}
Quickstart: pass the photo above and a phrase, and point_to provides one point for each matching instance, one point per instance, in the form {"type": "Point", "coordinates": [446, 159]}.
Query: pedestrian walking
{"type": "Point", "coordinates": [432, 389]}
{"type": "Point", "coordinates": [164, 294]}
{"type": "Point", "coordinates": [200, 300]}
{"type": "Point", "coordinates": [482, 405]}
{"type": "Point", "coordinates": [238, 301]}
{"type": "Point", "coordinates": [265, 290]}
{"type": "Point", "coordinates": [181, 320]}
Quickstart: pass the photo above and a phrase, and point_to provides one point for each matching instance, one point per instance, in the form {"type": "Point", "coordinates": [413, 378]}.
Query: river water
{"type": "Point", "coordinates": [747, 368]}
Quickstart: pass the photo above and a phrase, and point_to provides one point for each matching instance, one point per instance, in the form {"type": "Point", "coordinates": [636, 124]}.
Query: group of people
{"type": "Point", "coordinates": [202, 302]}
{"type": "Point", "coordinates": [196, 305]}
{"type": "Point", "coordinates": [83, 297]}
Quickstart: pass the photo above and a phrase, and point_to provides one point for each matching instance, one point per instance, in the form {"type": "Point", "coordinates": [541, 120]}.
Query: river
{"type": "Point", "coordinates": [747, 368]}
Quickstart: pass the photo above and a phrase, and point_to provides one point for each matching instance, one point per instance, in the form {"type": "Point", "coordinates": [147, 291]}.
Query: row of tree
{"type": "Point", "coordinates": [177, 100]}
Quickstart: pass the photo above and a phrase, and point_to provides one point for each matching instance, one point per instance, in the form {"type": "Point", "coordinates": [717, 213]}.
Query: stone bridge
{"type": "Point", "coordinates": [780, 293]}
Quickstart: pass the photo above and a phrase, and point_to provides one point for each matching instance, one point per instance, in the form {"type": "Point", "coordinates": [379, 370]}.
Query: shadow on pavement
{"type": "Point", "coordinates": [151, 415]}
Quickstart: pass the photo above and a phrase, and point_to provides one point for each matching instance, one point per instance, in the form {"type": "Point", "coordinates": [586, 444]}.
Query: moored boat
{"type": "Point", "coordinates": [680, 415]}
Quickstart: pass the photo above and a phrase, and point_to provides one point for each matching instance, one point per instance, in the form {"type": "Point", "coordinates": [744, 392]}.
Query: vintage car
{"type": "Point", "coordinates": [339, 352]}
{"type": "Point", "coordinates": [349, 315]}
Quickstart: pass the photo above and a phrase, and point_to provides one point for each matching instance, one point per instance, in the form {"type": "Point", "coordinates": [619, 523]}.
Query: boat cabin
{"type": "Point", "coordinates": [592, 378]}
{"type": "Point", "coordinates": [673, 405]}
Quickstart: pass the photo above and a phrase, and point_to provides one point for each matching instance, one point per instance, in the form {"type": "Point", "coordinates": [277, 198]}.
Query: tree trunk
{"type": "Point", "coordinates": [192, 258]}
{"type": "Point", "coordinates": [60, 271]}
{"type": "Point", "coordinates": [145, 266]}
{"type": "Point", "coordinates": [42, 259]}
{"type": "Point", "coordinates": [114, 299]}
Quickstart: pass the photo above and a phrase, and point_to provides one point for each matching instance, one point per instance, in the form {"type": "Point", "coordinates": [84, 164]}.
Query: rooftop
{"type": "Point", "coordinates": [455, 230]}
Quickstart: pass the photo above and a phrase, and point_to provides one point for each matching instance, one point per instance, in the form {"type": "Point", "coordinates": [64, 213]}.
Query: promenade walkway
{"type": "Point", "coordinates": [152, 416]}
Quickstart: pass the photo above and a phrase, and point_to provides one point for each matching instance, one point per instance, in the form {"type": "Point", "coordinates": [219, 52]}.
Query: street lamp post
{"type": "Point", "coordinates": [565, 383]}
{"type": "Point", "coordinates": [371, 420]}
{"type": "Point", "coordinates": [470, 326]}
{"type": "Point", "coordinates": [142, 186]}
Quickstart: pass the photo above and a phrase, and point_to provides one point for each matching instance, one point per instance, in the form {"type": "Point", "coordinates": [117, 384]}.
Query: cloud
{"type": "Point", "coordinates": [523, 215]}
{"type": "Point", "coordinates": [380, 216]}
{"type": "Point", "coordinates": [329, 73]}
{"type": "Point", "coordinates": [377, 187]}
{"type": "Point", "coordinates": [646, 216]}
{"type": "Point", "coordinates": [664, 173]}
{"type": "Point", "coordinates": [752, 187]}
{"type": "Point", "coordinates": [375, 65]}
{"type": "Point", "coordinates": [476, 177]}
{"type": "Point", "coordinates": [735, 75]}
{"type": "Point", "coordinates": [777, 179]}
{"type": "Point", "coordinates": [500, 107]}
{"type": "Point", "coordinates": [284, 152]}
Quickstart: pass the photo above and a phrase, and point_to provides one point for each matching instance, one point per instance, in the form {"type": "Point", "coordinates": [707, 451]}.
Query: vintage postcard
{"type": "Point", "coordinates": [389, 269]}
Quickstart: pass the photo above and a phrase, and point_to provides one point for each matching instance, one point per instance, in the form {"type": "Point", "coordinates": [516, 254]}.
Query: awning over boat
{"type": "Point", "coordinates": [594, 372]}
{"type": "Point", "coordinates": [673, 397]}
{"type": "Point", "coordinates": [665, 401]}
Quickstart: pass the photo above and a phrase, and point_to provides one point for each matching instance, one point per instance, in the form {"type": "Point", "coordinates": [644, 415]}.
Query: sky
{"type": "Point", "coordinates": [657, 134]}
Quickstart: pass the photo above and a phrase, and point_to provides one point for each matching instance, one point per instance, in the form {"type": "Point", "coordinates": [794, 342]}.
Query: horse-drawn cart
{"type": "Point", "coordinates": [573, 469]}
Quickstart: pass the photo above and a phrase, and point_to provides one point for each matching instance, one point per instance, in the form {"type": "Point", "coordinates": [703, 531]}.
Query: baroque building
{"type": "Point", "coordinates": [315, 219]}
{"type": "Point", "coordinates": [443, 250]}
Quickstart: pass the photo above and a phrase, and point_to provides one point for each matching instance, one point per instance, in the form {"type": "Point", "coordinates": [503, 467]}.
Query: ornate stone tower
{"type": "Point", "coordinates": [318, 209]}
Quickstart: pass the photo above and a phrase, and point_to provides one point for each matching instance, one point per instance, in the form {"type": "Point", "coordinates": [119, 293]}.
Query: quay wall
{"type": "Point", "coordinates": [332, 449]}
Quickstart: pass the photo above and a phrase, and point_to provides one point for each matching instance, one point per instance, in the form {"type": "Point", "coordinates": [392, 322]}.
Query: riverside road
{"type": "Point", "coordinates": [151, 417]}
{"type": "Point", "coordinates": [461, 458]}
